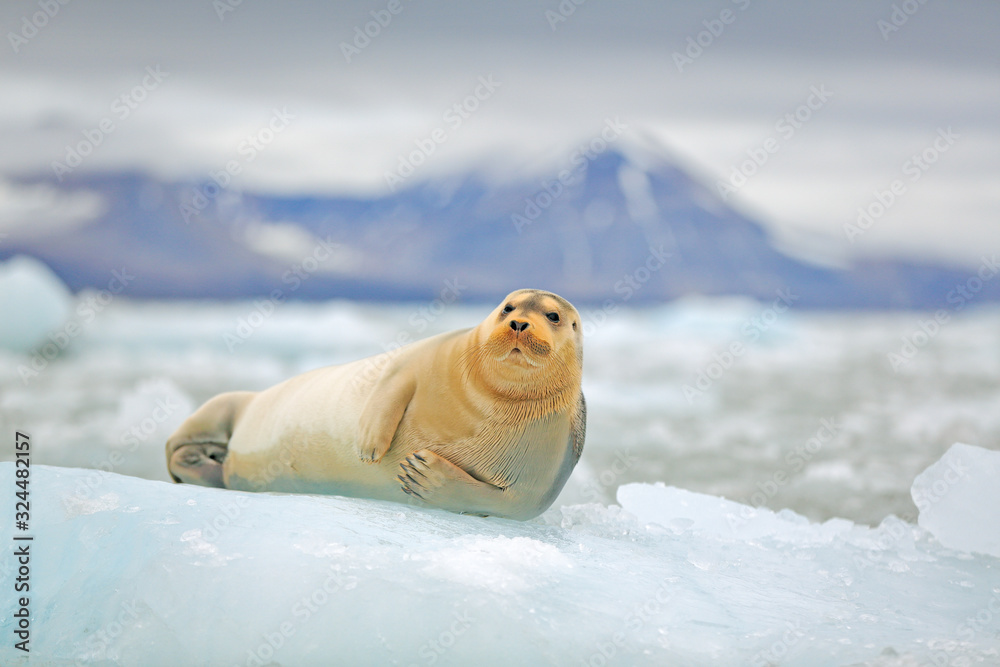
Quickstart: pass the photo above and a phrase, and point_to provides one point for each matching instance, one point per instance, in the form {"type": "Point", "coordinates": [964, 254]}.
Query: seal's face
{"type": "Point", "coordinates": [533, 337]}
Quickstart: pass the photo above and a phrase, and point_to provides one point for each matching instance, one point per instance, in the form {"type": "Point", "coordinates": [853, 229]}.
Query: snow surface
{"type": "Point", "coordinates": [149, 573]}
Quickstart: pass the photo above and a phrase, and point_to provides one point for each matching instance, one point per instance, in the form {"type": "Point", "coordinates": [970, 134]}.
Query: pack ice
{"type": "Point", "coordinates": [125, 571]}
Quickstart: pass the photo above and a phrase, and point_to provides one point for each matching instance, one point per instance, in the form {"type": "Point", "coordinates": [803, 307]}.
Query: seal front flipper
{"type": "Point", "coordinates": [440, 483]}
{"type": "Point", "coordinates": [383, 411]}
{"type": "Point", "coordinates": [196, 450]}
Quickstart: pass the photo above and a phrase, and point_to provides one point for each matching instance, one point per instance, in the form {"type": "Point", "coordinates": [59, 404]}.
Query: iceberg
{"type": "Point", "coordinates": [34, 301]}
{"type": "Point", "coordinates": [138, 572]}
{"type": "Point", "coordinates": [959, 501]}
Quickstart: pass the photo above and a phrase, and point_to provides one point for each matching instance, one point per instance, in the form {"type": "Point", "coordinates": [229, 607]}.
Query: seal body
{"type": "Point", "coordinates": [489, 420]}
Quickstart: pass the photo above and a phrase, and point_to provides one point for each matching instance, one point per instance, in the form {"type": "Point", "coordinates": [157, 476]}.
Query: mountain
{"type": "Point", "coordinates": [626, 225]}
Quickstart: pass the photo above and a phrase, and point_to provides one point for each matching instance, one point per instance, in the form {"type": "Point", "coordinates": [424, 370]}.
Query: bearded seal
{"type": "Point", "coordinates": [487, 421]}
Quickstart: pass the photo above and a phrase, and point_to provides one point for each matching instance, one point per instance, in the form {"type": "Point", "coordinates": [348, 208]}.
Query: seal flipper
{"type": "Point", "coordinates": [527, 486]}
{"type": "Point", "coordinates": [439, 482]}
{"type": "Point", "coordinates": [198, 463]}
{"type": "Point", "coordinates": [382, 413]}
{"type": "Point", "coordinates": [196, 450]}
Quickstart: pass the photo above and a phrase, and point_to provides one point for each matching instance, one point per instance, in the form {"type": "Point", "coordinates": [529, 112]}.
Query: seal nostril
{"type": "Point", "coordinates": [518, 326]}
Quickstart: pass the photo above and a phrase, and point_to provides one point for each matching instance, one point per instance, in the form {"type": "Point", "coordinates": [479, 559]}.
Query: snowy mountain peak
{"type": "Point", "coordinates": [610, 210]}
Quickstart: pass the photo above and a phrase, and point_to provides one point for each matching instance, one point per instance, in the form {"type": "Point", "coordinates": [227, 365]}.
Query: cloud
{"type": "Point", "coordinates": [289, 242]}
{"type": "Point", "coordinates": [37, 211]}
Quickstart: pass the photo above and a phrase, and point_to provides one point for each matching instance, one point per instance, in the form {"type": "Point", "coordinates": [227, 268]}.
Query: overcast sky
{"type": "Point", "coordinates": [878, 88]}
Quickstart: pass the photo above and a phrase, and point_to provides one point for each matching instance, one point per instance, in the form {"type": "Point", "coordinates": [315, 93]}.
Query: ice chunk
{"type": "Point", "coordinates": [148, 573]}
{"type": "Point", "coordinates": [34, 303]}
{"type": "Point", "coordinates": [682, 510]}
{"type": "Point", "coordinates": [959, 499]}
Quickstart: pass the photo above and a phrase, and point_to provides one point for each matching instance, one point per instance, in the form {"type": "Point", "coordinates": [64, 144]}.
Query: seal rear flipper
{"type": "Point", "coordinates": [196, 450]}
{"type": "Point", "coordinates": [198, 463]}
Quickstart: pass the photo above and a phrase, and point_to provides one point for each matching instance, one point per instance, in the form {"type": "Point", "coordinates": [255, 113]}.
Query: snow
{"type": "Point", "coordinates": [144, 572]}
{"type": "Point", "coordinates": [34, 303]}
{"type": "Point", "coordinates": [959, 499]}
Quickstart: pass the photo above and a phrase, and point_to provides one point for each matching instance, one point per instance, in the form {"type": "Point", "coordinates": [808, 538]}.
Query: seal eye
{"type": "Point", "coordinates": [553, 317]}
{"type": "Point", "coordinates": [508, 309]}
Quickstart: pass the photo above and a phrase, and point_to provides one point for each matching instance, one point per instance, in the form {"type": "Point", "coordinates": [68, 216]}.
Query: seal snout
{"type": "Point", "coordinates": [529, 327]}
{"type": "Point", "coordinates": [524, 348]}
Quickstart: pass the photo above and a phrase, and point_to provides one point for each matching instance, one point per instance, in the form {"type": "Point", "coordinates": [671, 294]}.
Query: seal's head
{"type": "Point", "coordinates": [531, 346]}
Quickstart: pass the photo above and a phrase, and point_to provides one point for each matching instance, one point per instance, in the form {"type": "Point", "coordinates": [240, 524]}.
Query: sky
{"type": "Point", "coordinates": [801, 114]}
